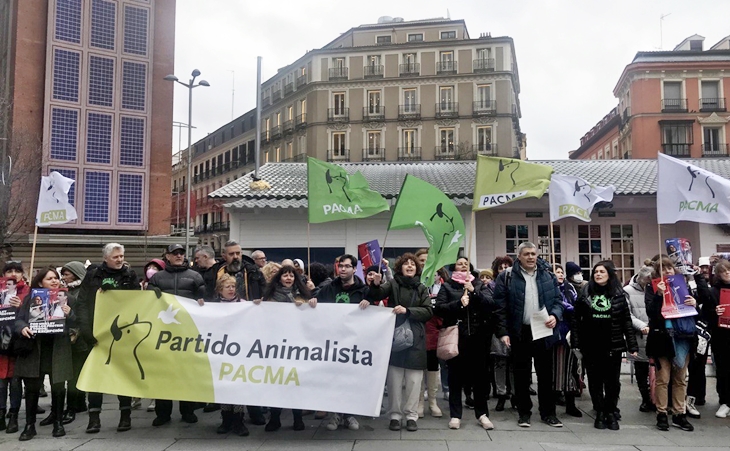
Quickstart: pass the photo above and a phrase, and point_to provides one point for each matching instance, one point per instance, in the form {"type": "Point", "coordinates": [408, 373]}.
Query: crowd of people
{"type": "Point", "coordinates": [515, 313]}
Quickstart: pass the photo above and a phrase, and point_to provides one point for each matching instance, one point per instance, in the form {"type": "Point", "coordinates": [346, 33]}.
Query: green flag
{"type": "Point", "coordinates": [503, 180]}
{"type": "Point", "coordinates": [421, 204]}
{"type": "Point", "coordinates": [334, 194]}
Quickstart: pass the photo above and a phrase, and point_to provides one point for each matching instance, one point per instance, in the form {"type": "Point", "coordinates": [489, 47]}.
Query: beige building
{"type": "Point", "coordinates": [393, 91]}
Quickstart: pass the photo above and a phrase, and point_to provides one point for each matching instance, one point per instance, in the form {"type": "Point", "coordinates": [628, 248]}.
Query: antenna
{"type": "Point", "coordinates": [233, 91]}
{"type": "Point", "coordinates": [448, 14]}
{"type": "Point", "coordinates": [661, 31]}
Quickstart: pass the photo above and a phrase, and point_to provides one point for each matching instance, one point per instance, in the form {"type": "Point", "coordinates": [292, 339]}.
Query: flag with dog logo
{"type": "Point", "coordinates": [572, 196]}
{"type": "Point", "coordinates": [421, 204]}
{"type": "Point", "coordinates": [334, 194]}
{"type": "Point", "coordinates": [53, 204]}
{"type": "Point", "coordinates": [686, 192]}
{"type": "Point", "coordinates": [503, 180]}
{"type": "Point", "coordinates": [268, 354]}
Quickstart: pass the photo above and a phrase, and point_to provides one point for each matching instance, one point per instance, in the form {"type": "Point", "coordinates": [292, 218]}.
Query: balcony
{"type": "Point", "coordinates": [677, 150]}
{"type": "Point", "coordinates": [373, 154]}
{"type": "Point", "coordinates": [265, 137]}
{"type": "Point", "coordinates": [409, 153]}
{"type": "Point", "coordinates": [338, 115]}
{"type": "Point", "coordinates": [301, 121]}
{"type": "Point", "coordinates": [373, 71]}
{"type": "Point", "coordinates": [625, 116]}
{"type": "Point", "coordinates": [447, 110]}
{"type": "Point", "coordinates": [445, 152]}
{"type": "Point", "coordinates": [483, 65]}
{"type": "Point", "coordinates": [409, 69]}
{"type": "Point", "coordinates": [338, 155]}
{"type": "Point", "coordinates": [220, 226]}
{"type": "Point", "coordinates": [709, 105]}
{"type": "Point", "coordinates": [302, 157]}
{"type": "Point", "coordinates": [302, 80]}
{"type": "Point", "coordinates": [288, 88]}
{"type": "Point", "coordinates": [338, 73]}
{"type": "Point", "coordinates": [288, 127]}
{"type": "Point", "coordinates": [482, 108]}
{"type": "Point", "coordinates": [486, 149]}
{"type": "Point", "coordinates": [276, 95]}
{"type": "Point", "coordinates": [715, 150]}
{"type": "Point", "coordinates": [446, 67]}
{"type": "Point", "coordinates": [409, 112]}
{"type": "Point", "coordinates": [373, 113]}
{"type": "Point", "coordinates": [276, 132]}
{"type": "Point", "coordinates": [674, 105]}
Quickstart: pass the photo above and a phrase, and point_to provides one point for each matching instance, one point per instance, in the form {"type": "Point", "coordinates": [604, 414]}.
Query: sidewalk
{"type": "Point", "coordinates": [637, 432]}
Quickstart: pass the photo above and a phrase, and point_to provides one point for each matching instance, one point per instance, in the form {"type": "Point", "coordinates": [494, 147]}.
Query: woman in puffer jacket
{"type": "Point", "coordinates": [566, 379]}
{"type": "Point", "coordinates": [640, 321]}
{"type": "Point", "coordinates": [600, 334]}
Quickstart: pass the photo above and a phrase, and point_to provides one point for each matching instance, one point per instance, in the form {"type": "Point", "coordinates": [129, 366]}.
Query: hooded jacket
{"type": "Point", "coordinates": [639, 318]}
{"type": "Point", "coordinates": [335, 292]}
{"type": "Point", "coordinates": [180, 281]}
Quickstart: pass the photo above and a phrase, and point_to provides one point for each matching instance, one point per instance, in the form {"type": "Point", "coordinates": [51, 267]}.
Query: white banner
{"type": "Point", "coordinates": [686, 192]}
{"type": "Point", "coordinates": [332, 358]}
{"type": "Point", "coordinates": [572, 196]}
{"type": "Point", "coordinates": [53, 206]}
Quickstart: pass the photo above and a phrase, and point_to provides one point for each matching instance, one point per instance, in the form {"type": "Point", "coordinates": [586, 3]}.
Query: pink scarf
{"type": "Point", "coordinates": [462, 277]}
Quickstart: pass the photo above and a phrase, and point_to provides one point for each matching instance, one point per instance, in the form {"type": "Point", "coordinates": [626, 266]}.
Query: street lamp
{"type": "Point", "coordinates": [190, 85]}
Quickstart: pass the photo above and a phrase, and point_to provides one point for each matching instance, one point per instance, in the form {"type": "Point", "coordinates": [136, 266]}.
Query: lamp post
{"type": "Point", "coordinates": [190, 85]}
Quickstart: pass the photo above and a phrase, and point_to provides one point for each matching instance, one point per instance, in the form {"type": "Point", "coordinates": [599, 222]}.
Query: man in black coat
{"type": "Point", "coordinates": [113, 274]}
{"type": "Point", "coordinates": [207, 266]}
{"type": "Point", "coordinates": [180, 280]}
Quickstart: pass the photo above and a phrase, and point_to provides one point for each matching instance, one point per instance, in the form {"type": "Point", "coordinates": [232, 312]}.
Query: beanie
{"type": "Point", "coordinates": [373, 268]}
{"type": "Point", "coordinates": [487, 272]}
{"type": "Point", "coordinates": [571, 269]}
{"type": "Point", "coordinates": [76, 268]}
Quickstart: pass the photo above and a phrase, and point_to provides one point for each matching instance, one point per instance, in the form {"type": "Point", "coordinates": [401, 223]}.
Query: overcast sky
{"type": "Point", "coordinates": [570, 53]}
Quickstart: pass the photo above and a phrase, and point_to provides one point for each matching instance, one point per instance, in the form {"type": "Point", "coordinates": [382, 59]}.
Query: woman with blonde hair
{"type": "Point", "coordinates": [269, 270]}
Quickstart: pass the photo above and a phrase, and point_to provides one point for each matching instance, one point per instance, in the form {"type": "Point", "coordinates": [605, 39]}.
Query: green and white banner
{"type": "Point", "coordinates": [331, 358]}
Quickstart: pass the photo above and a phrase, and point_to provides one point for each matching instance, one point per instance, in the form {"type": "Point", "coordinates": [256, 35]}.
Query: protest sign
{"type": "Point", "coordinates": [680, 252]}
{"type": "Point", "coordinates": [676, 291]}
{"type": "Point", "coordinates": [724, 319]}
{"type": "Point", "coordinates": [46, 310]}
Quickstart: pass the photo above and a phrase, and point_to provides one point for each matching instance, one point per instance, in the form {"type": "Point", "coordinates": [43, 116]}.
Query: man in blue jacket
{"type": "Point", "coordinates": [520, 293]}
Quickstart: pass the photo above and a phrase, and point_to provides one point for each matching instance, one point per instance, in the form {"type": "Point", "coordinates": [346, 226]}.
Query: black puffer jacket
{"type": "Point", "coordinates": [586, 337]}
{"type": "Point", "coordinates": [335, 292]}
{"type": "Point", "coordinates": [473, 319]}
{"type": "Point", "coordinates": [179, 280]}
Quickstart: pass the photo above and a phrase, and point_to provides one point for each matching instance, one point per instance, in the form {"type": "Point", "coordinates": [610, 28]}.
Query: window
{"type": "Point", "coordinates": [374, 103]}
{"type": "Point", "coordinates": [289, 150]}
{"type": "Point", "coordinates": [590, 247]}
{"type": "Point", "coordinates": [338, 145]}
{"type": "Point", "coordinates": [484, 139]}
{"type": "Point", "coordinates": [96, 196]}
{"type": "Point", "coordinates": [409, 58]}
{"type": "Point", "coordinates": [383, 40]}
{"type": "Point", "coordinates": [101, 81]}
{"type": "Point", "coordinates": [290, 113]}
{"type": "Point", "coordinates": [103, 24]}
{"type": "Point", "coordinates": [484, 54]}
{"type": "Point", "coordinates": [543, 243]}
{"type": "Point", "coordinates": [134, 82]}
{"type": "Point", "coordinates": [64, 129]}
{"type": "Point", "coordinates": [131, 148]}
{"type": "Point", "coordinates": [409, 100]}
{"type": "Point", "coordinates": [446, 62]}
{"type": "Point", "coordinates": [446, 57]}
{"type": "Point", "coordinates": [673, 100]}
{"type": "Point", "coordinates": [710, 100]}
{"type": "Point", "coordinates": [338, 103]}
{"type": "Point", "coordinates": [135, 30]}
{"type": "Point", "coordinates": [446, 136]}
{"type": "Point", "coordinates": [448, 35]}
{"type": "Point", "coordinates": [711, 140]}
{"type": "Point", "coordinates": [278, 119]}
{"type": "Point", "coordinates": [607, 152]}
{"type": "Point", "coordinates": [446, 98]}
{"type": "Point", "coordinates": [676, 138]}
{"type": "Point", "coordinates": [99, 138]}
{"type": "Point", "coordinates": [410, 147]}
{"type": "Point", "coordinates": [129, 206]}
{"type": "Point", "coordinates": [622, 250]}
{"type": "Point", "coordinates": [277, 154]}
{"type": "Point", "coordinates": [515, 234]}
{"type": "Point", "coordinates": [614, 151]}
{"type": "Point", "coordinates": [415, 37]}
{"type": "Point", "coordinates": [600, 154]}
{"type": "Point", "coordinates": [338, 62]}
{"type": "Point", "coordinates": [66, 75]}
{"type": "Point", "coordinates": [373, 144]}
{"type": "Point", "coordinates": [68, 20]}
{"type": "Point", "coordinates": [373, 60]}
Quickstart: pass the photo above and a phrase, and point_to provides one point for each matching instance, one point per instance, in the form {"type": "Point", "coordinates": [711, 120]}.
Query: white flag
{"type": "Point", "coordinates": [686, 192]}
{"type": "Point", "coordinates": [53, 206]}
{"type": "Point", "coordinates": [572, 196]}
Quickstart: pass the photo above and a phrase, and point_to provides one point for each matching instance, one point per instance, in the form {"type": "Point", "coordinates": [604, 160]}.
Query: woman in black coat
{"type": "Point", "coordinates": [49, 354]}
{"type": "Point", "coordinates": [463, 300]}
{"type": "Point", "coordinates": [600, 333]}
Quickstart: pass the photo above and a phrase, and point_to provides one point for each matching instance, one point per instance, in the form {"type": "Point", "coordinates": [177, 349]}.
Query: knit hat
{"type": "Point", "coordinates": [487, 272]}
{"type": "Point", "coordinates": [156, 261]}
{"type": "Point", "coordinates": [76, 268]}
{"type": "Point", "coordinates": [571, 269]}
{"type": "Point", "coordinates": [373, 268]}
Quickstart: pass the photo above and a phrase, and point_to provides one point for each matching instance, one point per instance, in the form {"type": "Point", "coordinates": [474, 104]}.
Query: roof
{"type": "Point", "coordinates": [455, 178]}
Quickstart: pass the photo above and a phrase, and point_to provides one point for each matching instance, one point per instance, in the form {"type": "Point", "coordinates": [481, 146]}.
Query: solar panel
{"type": "Point", "coordinates": [129, 204]}
{"type": "Point", "coordinates": [99, 138]}
{"type": "Point", "coordinates": [131, 148]}
{"type": "Point", "coordinates": [96, 196]}
{"type": "Point", "coordinates": [68, 21]}
{"type": "Point", "coordinates": [64, 131]}
{"type": "Point", "coordinates": [135, 30]}
{"type": "Point", "coordinates": [101, 81]}
{"type": "Point", "coordinates": [103, 24]}
{"type": "Point", "coordinates": [134, 81]}
{"type": "Point", "coordinates": [66, 75]}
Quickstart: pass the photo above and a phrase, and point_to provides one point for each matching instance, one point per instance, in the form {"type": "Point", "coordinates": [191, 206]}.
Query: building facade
{"type": "Point", "coordinates": [86, 81]}
{"type": "Point", "coordinates": [669, 101]}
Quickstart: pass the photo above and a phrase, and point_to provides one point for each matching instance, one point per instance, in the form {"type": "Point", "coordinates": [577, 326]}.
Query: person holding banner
{"type": "Point", "coordinates": [49, 354]}
{"type": "Point", "coordinates": [671, 343]}
{"type": "Point", "coordinates": [601, 332]}
{"type": "Point", "coordinates": [463, 301]}
{"type": "Point", "coordinates": [410, 301]}
{"type": "Point", "coordinates": [717, 312]}
{"type": "Point", "coordinates": [9, 381]}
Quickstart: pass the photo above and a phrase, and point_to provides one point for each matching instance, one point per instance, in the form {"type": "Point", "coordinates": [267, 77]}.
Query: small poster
{"type": "Point", "coordinates": [674, 296]}
{"type": "Point", "coordinates": [370, 254]}
{"type": "Point", "coordinates": [724, 319]}
{"type": "Point", "coordinates": [9, 289]}
{"type": "Point", "coordinates": [46, 310]}
{"type": "Point", "coordinates": [680, 252]}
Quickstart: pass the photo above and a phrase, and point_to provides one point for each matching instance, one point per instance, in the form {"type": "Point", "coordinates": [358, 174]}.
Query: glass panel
{"type": "Point", "coordinates": [615, 231]}
{"type": "Point", "coordinates": [511, 231]}
{"type": "Point", "coordinates": [522, 232]}
{"type": "Point", "coordinates": [583, 247]}
{"type": "Point", "coordinates": [582, 231]}
{"type": "Point", "coordinates": [615, 246]}
{"type": "Point", "coordinates": [596, 246]}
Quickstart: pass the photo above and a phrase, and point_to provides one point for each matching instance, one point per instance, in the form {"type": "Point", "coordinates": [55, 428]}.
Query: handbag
{"type": "Point", "coordinates": [402, 337]}
{"type": "Point", "coordinates": [448, 344]}
{"type": "Point", "coordinates": [23, 346]}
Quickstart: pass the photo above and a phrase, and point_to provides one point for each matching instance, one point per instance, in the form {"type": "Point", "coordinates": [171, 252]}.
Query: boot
{"type": "Point", "coordinates": [28, 432]}
{"type": "Point", "coordinates": [3, 426]}
{"type": "Point", "coordinates": [125, 420]}
{"type": "Point", "coordinates": [50, 419]}
{"type": "Point", "coordinates": [69, 416]}
{"type": "Point", "coordinates": [500, 403]}
{"type": "Point", "coordinates": [570, 407]}
{"type": "Point", "coordinates": [646, 404]}
{"type": "Point", "coordinates": [239, 428]}
{"type": "Point", "coordinates": [274, 423]}
{"type": "Point", "coordinates": [432, 381]}
{"type": "Point", "coordinates": [57, 410]}
{"type": "Point", "coordinates": [31, 408]}
{"type": "Point", "coordinates": [94, 423]}
{"type": "Point", "coordinates": [227, 423]}
{"type": "Point", "coordinates": [12, 422]}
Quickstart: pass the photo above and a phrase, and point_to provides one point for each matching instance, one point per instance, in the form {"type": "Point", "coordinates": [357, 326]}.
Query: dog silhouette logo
{"type": "Point", "coordinates": [338, 178]}
{"type": "Point", "coordinates": [134, 330]}
{"type": "Point", "coordinates": [694, 173]}
{"type": "Point", "coordinates": [448, 222]}
{"type": "Point", "coordinates": [581, 189]}
{"type": "Point", "coordinates": [503, 166]}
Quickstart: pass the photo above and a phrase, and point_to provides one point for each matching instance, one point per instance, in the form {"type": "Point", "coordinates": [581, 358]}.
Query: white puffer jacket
{"type": "Point", "coordinates": [639, 318]}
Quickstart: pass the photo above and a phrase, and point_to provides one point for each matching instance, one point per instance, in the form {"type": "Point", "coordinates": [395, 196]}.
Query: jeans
{"type": "Point", "coordinates": [503, 375]}
{"type": "Point", "coordinates": [524, 350]}
{"type": "Point", "coordinates": [16, 393]}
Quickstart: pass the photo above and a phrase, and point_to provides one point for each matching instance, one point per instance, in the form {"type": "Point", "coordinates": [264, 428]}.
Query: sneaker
{"type": "Point", "coordinates": [352, 423]}
{"type": "Point", "coordinates": [662, 422]}
{"type": "Point", "coordinates": [692, 411]}
{"type": "Point", "coordinates": [151, 407]}
{"type": "Point", "coordinates": [394, 425]}
{"type": "Point", "coordinates": [723, 411]}
{"type": "Point", "coordinates": [552, 420]}
{"type": "Point", "coordinates": [411, 425]}
{"type": "Point", "coordinates": [524, 421]}
{"type": "Point", "coordinates": [485, 423]}
{"type": "Point", "coordinates": [136, 403]}
{"type": "Point", "coordinates": [680, 421]}
{"type": "Point", "coordinates": [454, 423]}
{"type": "Point", "coordinates": [334, 422]}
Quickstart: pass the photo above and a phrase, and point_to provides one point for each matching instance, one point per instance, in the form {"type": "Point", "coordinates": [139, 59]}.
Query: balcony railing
{"type": "Point", "coordinates": [410, 69]}
{"type": "Point", "coordinates": [674, 105]}
{"type": "Point", "coordinates": [373, 113]}
{"type": "Point", "coordinates": [373, 154]}
{"type": "Point", "coordinates": [709, 104]}
{"type": "Point", "coordinates": [447, 109]}
{"type": "Point", "coordinates": [275, 132]}
{"type": "Point", "coordinates": [221, 226]}
{"type": "Point", "coordinates": [373, 71]}
{"type": "Point", "coordinates": [445, 152]}
{"type": "Point", "coordinates": [338, 73]}
{"type": "Point", "coordinates": [288, 126]}
{"type": "Point", "coordinates": [484, 108]}
{"type": "Point", "coordinates": [296, 158]}
{"type": "Point", "coordinates": [446, 67]}
{"type": "Point", "coordinates": [275, 95]}
{"type": "Point", "coordinates": [338, 115]}
{"type": "Point", "coordinates": [265, 136]}
{"type": "Point", "coordinates": [409, 154]}
{"type": "Point", "coordinates": [715, 150]}
{"type": "Point", "coordinates": [288, 88]}
{"type": "Point", "coordinates": [301, 121]}
{"type": "Point", "coordinates": [338, 155]}
{"type": "Point", "coordinates": [676, 150]}
{"type": "Point", "coordinates": [266, 101]}
{"type": "Point", "coordinates": [487, 149]}
{"type": "Point", "coordinates": [302, 80]}
{"type": "Point", "coordinates": [483, 65]}
{"type": "Point", "coordinates": [411, 111]}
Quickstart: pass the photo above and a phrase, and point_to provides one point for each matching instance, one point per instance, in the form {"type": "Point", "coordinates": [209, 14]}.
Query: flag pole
{"type": "Point", "coordinates": [661, 269]}
{"type": "Point", "coordinates": [382, 249]}
{"type": "Point", "coordinates": [309, 255]}
{"type": "Point", "coordinates": [32, 252]}
{"type": "Point", "coordinates": [552, 245]}
{"type": "Point", "coordinates": [471, 236]}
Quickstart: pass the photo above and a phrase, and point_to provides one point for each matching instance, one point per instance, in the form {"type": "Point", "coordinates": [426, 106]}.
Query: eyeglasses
{"type": "Point", "coordinates": [178, 253]}
{"type": "Point", "coordinates": [260, 258]}
{"type": "Point", "coordinates": [345, 266]}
